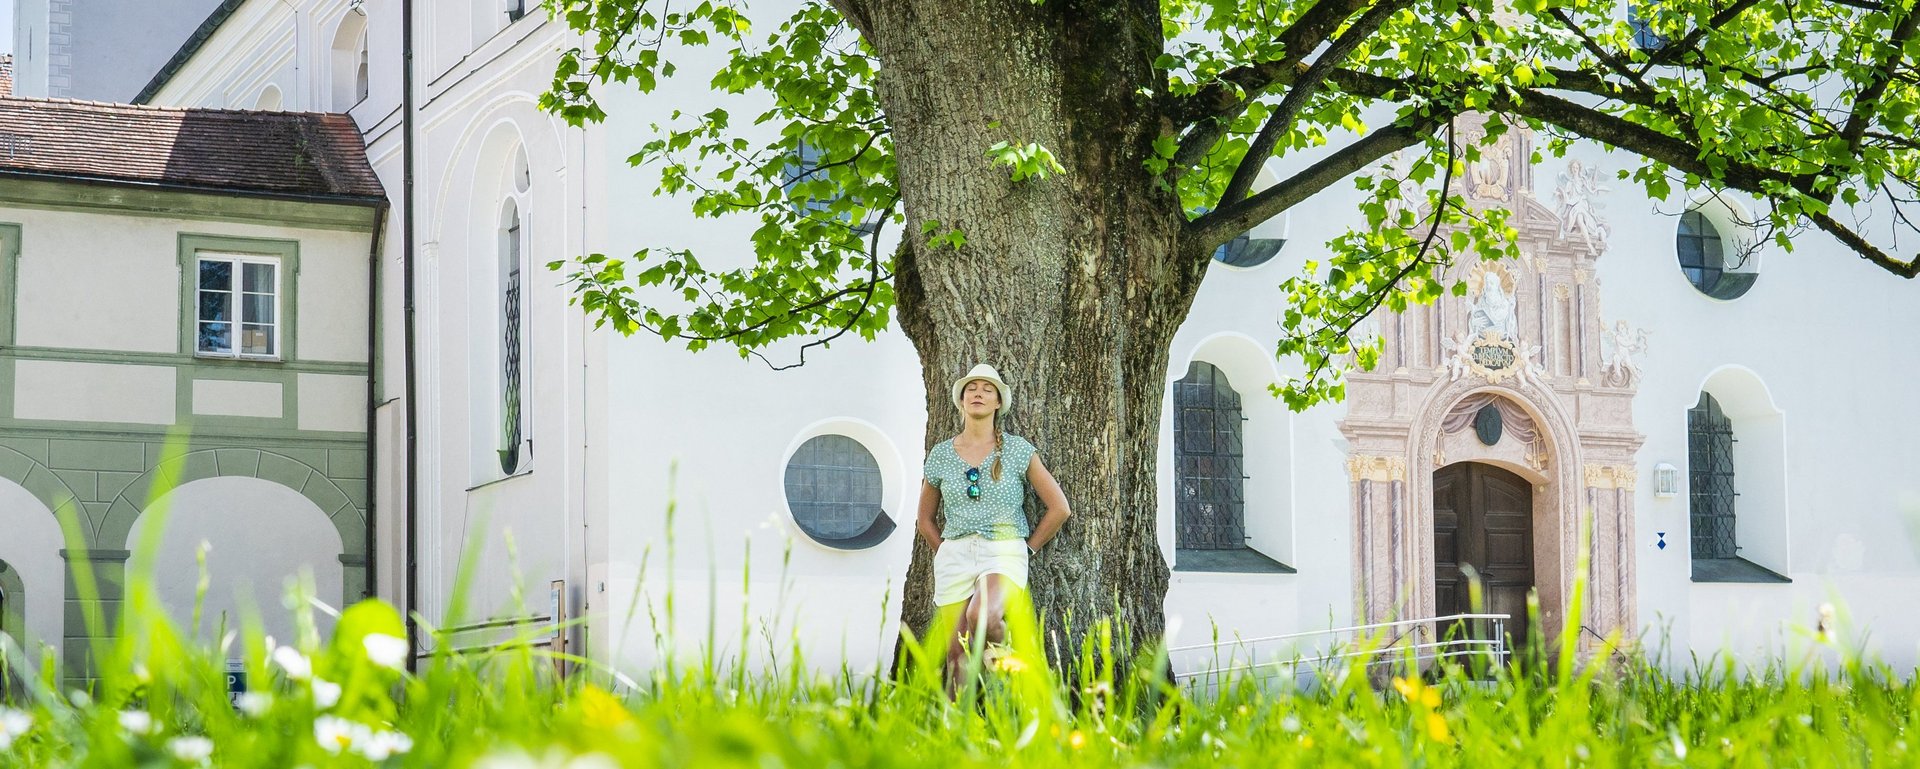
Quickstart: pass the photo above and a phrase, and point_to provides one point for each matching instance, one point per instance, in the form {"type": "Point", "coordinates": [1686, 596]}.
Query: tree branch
{"type": "Point", "coordinates": [1229, 92]}
{"type": "Point", "coordinates": [1303, 88]}
{"type": "Point", "coordinates": [1869, 98]}
{"type": "Point", "coordinates": [1868, 251]}
{"type": "Point", "coordinates": [1227, 221]}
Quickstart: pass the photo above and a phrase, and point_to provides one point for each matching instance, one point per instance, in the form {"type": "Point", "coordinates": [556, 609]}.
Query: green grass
{"type": "Point", "coordinates": [345, 701]}
{"type": "Point", "coordinates": [341, 701]}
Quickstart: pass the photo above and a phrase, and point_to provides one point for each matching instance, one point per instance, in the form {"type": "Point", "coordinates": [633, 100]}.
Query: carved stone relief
{"type": "Point", "coordinates": [1526, 339]}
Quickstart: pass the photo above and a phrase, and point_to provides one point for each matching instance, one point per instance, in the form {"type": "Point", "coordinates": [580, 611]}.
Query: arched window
{"type": "Point", "coordinates": [1710, 470]}
{"type": "Point", "coordinates": [348, 62]}
{"type": "Point", "coordinates": [834, 490]}
{"type": "Point", "coordinates": [1210, 485]}
{"type": "Point", "coordinates": [513, 254]}
{"type": "Point", "coordinates": [269, 98]}
{"type": "Point", "coordinates": [1210, 481]}
{"type": "Point", "coordinates": [360, 73]}
{"type": "Point", "coordinates": [513, 259]}
{"type": "Point", "coordinates": [1713, 498]}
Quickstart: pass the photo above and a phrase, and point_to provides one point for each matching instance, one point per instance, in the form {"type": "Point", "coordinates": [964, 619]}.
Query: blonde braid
{"type": "Point", "coordinates": [999, 442]}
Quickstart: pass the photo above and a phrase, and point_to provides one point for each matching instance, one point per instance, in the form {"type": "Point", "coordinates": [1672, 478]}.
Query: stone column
{"type": "Point", "coordinates": [108, 572]}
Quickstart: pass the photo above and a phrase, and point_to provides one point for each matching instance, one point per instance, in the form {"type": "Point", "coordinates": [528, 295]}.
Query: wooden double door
{"type": "Point", "coordinates": [1483, 518]}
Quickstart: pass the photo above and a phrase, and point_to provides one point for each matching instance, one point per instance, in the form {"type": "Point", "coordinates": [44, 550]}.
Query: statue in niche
{"type": "Point", "coordinates": [1490, 173]}
{"type": "Point", "coordinates": [1617, 368]}
{"type": "Point", "coordinates": [1579, 209]}
{"type": "Point", "coordinates": [1494, 308]}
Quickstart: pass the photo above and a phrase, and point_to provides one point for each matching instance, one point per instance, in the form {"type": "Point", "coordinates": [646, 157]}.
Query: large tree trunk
{"type": "Point", "coordinates": [1071, 285]}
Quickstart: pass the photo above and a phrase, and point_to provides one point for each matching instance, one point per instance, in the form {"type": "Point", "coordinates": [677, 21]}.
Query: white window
{"type": "Point", "coordinates": [237, 307]}
{"type": "Point", "coordinates": [360, 73]}
{"type": "Point", "coordinates": [347, 65]}
{"type": "Point", "coordinates": [515, 446]}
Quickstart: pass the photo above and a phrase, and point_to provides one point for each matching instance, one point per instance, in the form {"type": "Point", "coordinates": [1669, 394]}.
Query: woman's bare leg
{"type": "Point", "coordinates": [991, 622]}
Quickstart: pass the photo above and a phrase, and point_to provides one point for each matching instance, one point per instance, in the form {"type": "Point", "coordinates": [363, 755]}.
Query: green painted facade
{"type": "Point", "coordinates": [98, 477]}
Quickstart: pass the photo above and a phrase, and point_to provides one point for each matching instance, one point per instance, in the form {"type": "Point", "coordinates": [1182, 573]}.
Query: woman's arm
{"type": "Point", "coordinates": [1051, 498]}
{"type": "Point", "coordinates": [929, 504]}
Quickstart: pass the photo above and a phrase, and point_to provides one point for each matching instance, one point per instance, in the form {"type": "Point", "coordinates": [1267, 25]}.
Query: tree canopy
{"type": "Point", "coordinates": [1806, 105]}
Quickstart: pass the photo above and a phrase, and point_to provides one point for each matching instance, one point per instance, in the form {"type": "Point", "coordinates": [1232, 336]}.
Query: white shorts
{"type": "Point", "coordinates": [961, 562]}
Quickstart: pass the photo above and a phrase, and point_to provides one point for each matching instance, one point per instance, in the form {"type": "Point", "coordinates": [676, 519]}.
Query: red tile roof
{"type": "Point", "coordinates": [238, 151]}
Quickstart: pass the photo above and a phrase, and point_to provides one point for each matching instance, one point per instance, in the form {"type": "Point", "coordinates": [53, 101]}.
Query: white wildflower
{"type": "Point", "coordinates": [335, 733]}
{"type": "Point", "coordinates": [253, 703]}
{"type": "Point", "coordinates": [136, 721]}
{"type": "Point", "coordinates": [192, 750]}
{"type": "Point", "coordinates": [13, 723]}
{"type": "Point", "coordinates": [385, 650]}
{"type": "Point", "coordinates": [379, 746]}
{"type": "Point", "coordinates": [326, 693]}
{"type": "Point", "coordinates": [298, 667]}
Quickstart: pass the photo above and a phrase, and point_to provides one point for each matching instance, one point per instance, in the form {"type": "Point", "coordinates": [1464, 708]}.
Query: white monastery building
{"type": "Point", "coordinates": [1737, 418]}
{"type": "Point", "coordinates": [184, 362]}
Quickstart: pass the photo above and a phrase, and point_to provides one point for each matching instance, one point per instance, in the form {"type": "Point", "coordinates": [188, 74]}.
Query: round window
{"type": "Point", "coordinates": [834, 490]}
{"type": "Point", "coordinates": [1248, 251]}
{"type": "Point", "coordinates": [1703, 258]}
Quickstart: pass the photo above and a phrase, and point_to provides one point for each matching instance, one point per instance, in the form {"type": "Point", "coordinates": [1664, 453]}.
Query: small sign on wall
{"type": "Point", "coordinates": [236, 681]}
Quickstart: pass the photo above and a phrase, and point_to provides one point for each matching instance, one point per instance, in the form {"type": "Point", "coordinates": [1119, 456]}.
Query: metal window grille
{"type": "Point", "coordinates": [510, 354]}
{"type": "Point", "coordinates": [834, 490]}
{"type": "Point", "coordinates": [1702, 254]}
{"type": "Point", "coordinates": [1710, 470]}
{"type": "Point", "coordinates": [1210, 487]}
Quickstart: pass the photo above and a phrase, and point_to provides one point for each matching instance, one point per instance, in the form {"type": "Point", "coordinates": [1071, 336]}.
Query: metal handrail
{"type": "Point", "coordinates": [1374, 626]}
{"type": "Point", "coordinates": [1439, 649]}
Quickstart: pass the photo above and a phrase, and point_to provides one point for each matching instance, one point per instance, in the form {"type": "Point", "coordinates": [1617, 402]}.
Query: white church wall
{"type": "Point", "coordinates": [530, 525]}
{"type": "Point", "coordinates": [1810, 332]}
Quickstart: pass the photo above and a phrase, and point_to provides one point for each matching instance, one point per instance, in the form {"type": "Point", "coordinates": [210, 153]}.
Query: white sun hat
{"type": "Point", "coordinates": [984, 372]}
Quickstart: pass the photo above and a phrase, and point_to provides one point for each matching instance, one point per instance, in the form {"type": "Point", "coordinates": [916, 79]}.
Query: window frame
{"type": "Point", "coordinates": [1707, 420]}
{"type": "Point", "coordinates": [876, 531]}
{"type": "Point", "coordinates": [1736, 270]}
{"type": "Point", "coordinates": [283, 254]}
{"type": "Point", "coordinates": [1221, 398]}
{"type": "Point", "coordinates": [10, 246]}
{"type": "Point", "coordinates": [512, 259]}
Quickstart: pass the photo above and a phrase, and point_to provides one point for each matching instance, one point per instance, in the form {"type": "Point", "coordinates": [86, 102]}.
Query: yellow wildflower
{"type": "Point", "coordinates": [1437, 728]}
{"type": "Point", "coordinates": [601, 710]}
{"type": "Point", "coordinates": [1077, 739]}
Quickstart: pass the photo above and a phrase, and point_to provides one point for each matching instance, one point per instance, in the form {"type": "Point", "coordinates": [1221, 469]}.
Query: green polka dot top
{"type": "Point", "coordinates": [997, 512]}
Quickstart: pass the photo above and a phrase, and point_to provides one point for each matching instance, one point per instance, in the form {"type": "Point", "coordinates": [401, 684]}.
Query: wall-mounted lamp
{"type": "Point", "coordinates": [1666, 481]}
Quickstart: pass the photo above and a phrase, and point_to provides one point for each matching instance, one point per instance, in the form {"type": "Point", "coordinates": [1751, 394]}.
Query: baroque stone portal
{"type": "Point", "coordinates": [1527, 340]}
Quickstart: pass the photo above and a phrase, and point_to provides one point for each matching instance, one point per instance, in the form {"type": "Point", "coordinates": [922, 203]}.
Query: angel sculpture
{"type": "Point", "coordinates": [1579, 211]}
{"type": "Point", "coordinates": [1617, 368]}
{"type": "Point", "coordinates": [1458, 361]}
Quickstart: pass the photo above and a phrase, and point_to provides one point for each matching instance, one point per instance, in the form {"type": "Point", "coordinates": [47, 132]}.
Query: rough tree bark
{"type": "Point", "coordinates": [1072, 285]}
